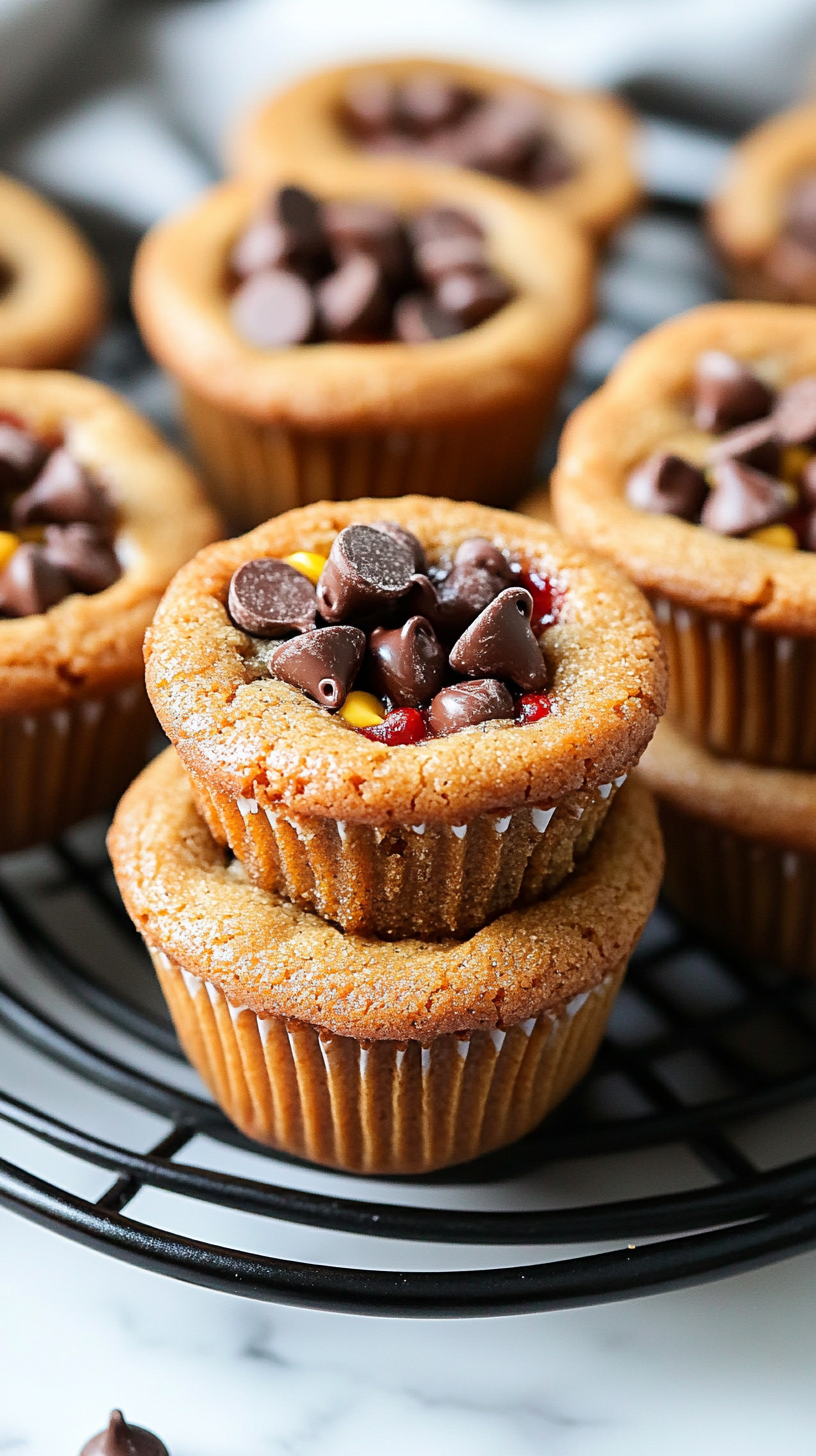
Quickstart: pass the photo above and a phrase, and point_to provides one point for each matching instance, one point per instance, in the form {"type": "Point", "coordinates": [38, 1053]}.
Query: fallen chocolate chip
{"type": "Point", "coordinates": [418, 320]}
{"type": "Point", "coordinates": [268, 598]}
{"type": "Point", "coordinates": [744, 499]}
{"type": "Point", "coordinates": [472, 295]}
{"type": "Point", "coordinates": [795, 413]}
{"type": "Point", "coordinates": [443, 222]}
{"type": "Point", "coordinates": [727, 393]}
{"type": "Point", "coordinates": [478, 551]}
{"type": "Point", "coordinates": [368, 227]}
{"type": "Point", "coordinates": [757, 444]}
{"type": "Point", "coordinates": [407, 664]}
{"type": "Point", "coordinates": [800, 210]}
{"type": "Point", "coordinates": [427, 102]}
{"type": "Point", "coordinates": [370, 105]}
{"type": "Point", "coordinates": [352, 303]}
{"type": "Point", "coordinates": [500, 643]}
{"type": "Point", "coordinates": [85, 554]}
{"type": "Point", "coordinates": [438, 256]}
{"type": "Point", "coordinates": [63, 493]}
{"type": "Point", "coordinates": [21, 456]}
{"type": "Point", "coordinates": [274, 310]}
{"type": "Point", "coordinates": [667, 485]}
{"type": "Point", "coordinates": [406, 538]}
{"type": "Point", "coordinates": [464, 593]}
{"type": "Point", "coordinates": [366, 571]}
{"type": "Point", "coordinates": [466, 704]}
{"type": "Point", "coordinates": [31, 583]}
{"type": "Point", "coordinates": [121, 1439]}
{"type": "Point", "coordinates": [323, 664]}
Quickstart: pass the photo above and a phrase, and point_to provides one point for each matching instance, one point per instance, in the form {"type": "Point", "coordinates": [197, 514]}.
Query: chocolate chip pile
{"type": "Point", "coordinates": [759, 479]}
{"type": "Point", "coordinates": [402, 650]}
{"type": "Point", "coordinates": [507, 134]}
{"type": "Point", "coordinates": [56, 525]}
{"type": "Point", "coordinates": [356, 273]}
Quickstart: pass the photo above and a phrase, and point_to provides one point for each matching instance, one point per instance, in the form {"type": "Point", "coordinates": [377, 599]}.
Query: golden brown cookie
{"type": "Point", "coordinates": [367, 1056]}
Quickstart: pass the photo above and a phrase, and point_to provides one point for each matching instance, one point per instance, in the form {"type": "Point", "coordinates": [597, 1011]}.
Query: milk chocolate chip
{"type": "Point", "coordinates": [419, 320]}
{"type": "Point", "coordinates": [479, 552]}
{"type": "Point", "coordinates": [757, 444]}
{"type": "Point", "coordinates": [500, 643]}
{"type": "Point", "coordinates": [408, 663]}
{"type": "Point", "coordinates": [63, 493]}
{"type": "Point", "coordinates": [31, 583]}
{"type": "Point", "coordinates": [744, 499]}
{"type": "Point", "coordinates": [20, 456]}
{"type": "Point", "coordinates": [323, 664]}
{"type": "Point", "coordinates": [368, 227]}
{"type": "Point", "coordinates": [727, 393]}
{"type": "Point", "coordinates": [367, 571]}
{"type": "Point", "coordinates": [288, 235]}
{"type": "Point", "coordinates": [795, 413]}
{"type": "Point", "coordinates": [85, 554]}
{"type": "Point", "coordinates": [352, 303]}
{"type": "Point", "coordinates": [405, 538]}
{"type": "Point", "coordinates": [667, 485]}
{"type": "Point", "coordinates": [269, 598]}
{"type": "Point", "coordinates": [471, 295]}
{"type": "Point", "coordinates": [466, 704]}
{"type": "Point", "coordinates": [274, 309]}
{"type": "Point", "coordinates": [120, 1439]}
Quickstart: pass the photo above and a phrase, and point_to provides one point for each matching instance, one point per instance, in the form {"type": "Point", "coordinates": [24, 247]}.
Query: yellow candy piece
{"type": "Point", "coordinates": [308, 563]}
{"type": "Point", "coordinates": [8, 545]}
{"type": "Point", "coordinates": [362, 710]}
{"type": "Point", "coordinates": [794, 460]}
{"type": "Point", "coordinates": [783, 537]}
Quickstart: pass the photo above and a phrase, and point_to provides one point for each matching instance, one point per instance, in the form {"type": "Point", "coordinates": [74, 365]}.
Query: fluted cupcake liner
{"type": "Point", "coordinates": [384, 1106]}
{"type": "Point", "coordinates": [257, 470]}
{"type": "Point", "coordinates": [423, 880]}
{"type": "Point", "coordinates": [59, 766]}
{"type": "Point", "coordinates": [757, 899]}
{"type": "Point", "coordinates": [742, 693]}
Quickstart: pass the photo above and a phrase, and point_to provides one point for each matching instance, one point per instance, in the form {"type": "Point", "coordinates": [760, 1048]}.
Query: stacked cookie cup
{"type": "Point", "coordinates": [389, 874]}
{"type": "Point", "coordinates": [691, 468]}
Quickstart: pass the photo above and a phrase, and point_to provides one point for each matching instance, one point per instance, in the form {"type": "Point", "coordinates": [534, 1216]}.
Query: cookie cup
{"type": "Point", "coordinates": [738, 618]}
{"type": "Point", "coordinates": [277, 428]}
{"type": "Point", "coordinates": [740, 850]}
{"type": "Point", "coordinates": [52, 291]}
{"type": "Point", "coordinates": [74, 715]}
{"type": "Point", "coordinates": [747, 214]}
{"type": "Point", "coordinates": [597, 131]}
{"type": "Point", "coordinates": [369, 1057]}
{"type": "Point", "coordinates": [430, 839]}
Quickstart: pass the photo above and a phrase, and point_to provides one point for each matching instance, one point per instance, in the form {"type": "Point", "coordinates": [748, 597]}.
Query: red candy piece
{"type": "Point", "coordinates": [403, 726]}
{"type": "Point", "coordinates": [546, 599]}
{"type": "Point", "coordinates": [532, 706]}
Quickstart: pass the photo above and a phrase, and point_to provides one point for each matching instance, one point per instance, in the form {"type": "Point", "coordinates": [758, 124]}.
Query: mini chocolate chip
{"type": "Point", "coordinates": [31, 583]}
{"type": "Point", "coordinates": [744, 499]}
{"type": "Point", "coordinates": [667, 485]}
{"type": "Point", "coordinates": [418, 320]}
{"type": "Point", "coordinates": [727, 393]}
{"type": "Point", "coordinates": [795, 413]}
{"type": "Point", "coordinates": [757, 444]}
{"type": "Point", "coordinates": [352, 303]}
{"type": "Point", "coordinates": [370, 105]}
{"type": "Point", "coordinates": [438, 256]}
{"type": "Point", "coordinates": [85, 554]}
{"type": "Point", "coordinates": [407, 664]}
{"type": "Point", "coordinates": [268, 598]}
{"type": "Point", "coordinates": [323, 664]}
{"type": "Point", "coordinates": [500, 643]}
{"type": "Point", "coordinates": [406, 539]}
{"type": "Point", "coordinates": [800, 210]}
{"type": "Point", "coordinates": [368, 227]}
{"type": "Point", "coordinates": [366, 570]}
{"type": "Point", "coordinates": [466, 704]}
{"type": "Point", "coordinates": [427, 102]}
{"type": "Point", "coordinates": [21, 456]}
{"type": "Point", "coordinates": [273, 309]}
{"type": "Point", "coordinates": [63, 493]}
{"type": "Point", "coordinates": [443, 222]}
{"type": "Point", "coordinates": [472, 295]}
{"type": "Point", "coordinates": [464, 593]}
{"type": "Point", "coordinates": [478, 551]}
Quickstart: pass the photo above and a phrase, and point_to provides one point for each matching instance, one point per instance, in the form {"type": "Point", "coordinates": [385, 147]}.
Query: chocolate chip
{"type": "Point", "coordinates": [667, 485]}
{"type": "Point", "coordinates": [744, 499]}
{"type": "Point", "coordinates": [757, 444]}
{"type": "Point", "coordinates": [352, 302]}
{"type": "Point", "coordinates": [31, 583]}
{"type": "Point", "coordinates": [407, 539]}
{"type": "Point", "coordinates": [427, 102]}
{"type": "Point", "coordinates": [368, 227]}
{"type": "Point", "coordinates": [289, 234]}
{"type": "Point", "coordinates": [464, 593]}
{"type": "Point", "coordinates": [500, 643]}
{"type": "Point", "coordinates": [808, 536]}
{"type": "Point", "coordinates": [466, 704]}
{"type": "Point", "coordinates": [85, 554]}
{"type": "Point", "coordinates": [438, 256]}
{"type": "Point", "coordinates": [418, 320]}
{"type": "Point", "coordinates": [323, 664]}
{"type": "Point", "coordinates": [795, 413]}
{"type": "Point", "coordinates": [807, 483]}
{"type": "Point", "coordinates": [370, 105]}
{"type": "Point", "coordinates": [499, 136]}
{"type": "Point", "coordinates": [268, 598]}
{"type": "Point", "coordinates": [727, 393]}
{"type": "Point", "coordinates": [273, 310]}
{"type": "Point", "coordinates": [550, 165]}
{"type": "Point", "coordinates": [62, 493]}
{"type": "Point", "coordinates": [800, 210]}
{"type": "Point", "coordinates": [21, 456]}
{"type": "Point", "coordinates": [478, 551]}
{"type": "Point", "coordinates": [443, 222]}
{"type": "Point", "coordinates": [121, 1439]}
{"type": "Point", "coordinates": [407, 663]}
{"type": "Point", "coordinates": [791, 265]}
{"type": "Point", "coordinates": [472, 295]}
{"type": "Point", "coordinates": [422, 599]}
{"type": "Point", "coordinates": [367, 570]}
